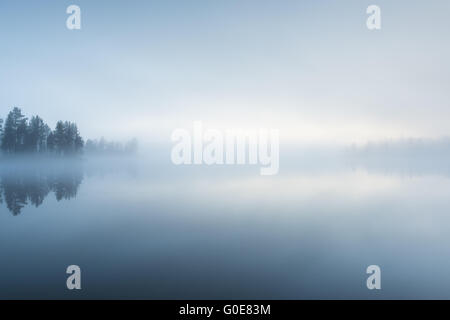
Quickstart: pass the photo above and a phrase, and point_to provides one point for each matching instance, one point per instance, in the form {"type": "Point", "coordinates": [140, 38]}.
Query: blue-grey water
{"type": "Point", "coordinates": [151, 230]}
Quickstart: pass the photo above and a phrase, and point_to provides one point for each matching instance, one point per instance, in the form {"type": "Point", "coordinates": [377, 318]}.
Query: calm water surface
{"type": "Point", "coordinates": [146, 231]}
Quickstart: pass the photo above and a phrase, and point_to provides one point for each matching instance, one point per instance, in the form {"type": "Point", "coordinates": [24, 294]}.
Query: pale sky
{"type": "Point", "coordinates": [311, 69]}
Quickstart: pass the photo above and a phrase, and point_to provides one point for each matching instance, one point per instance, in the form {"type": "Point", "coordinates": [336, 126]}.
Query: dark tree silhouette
{"type": "Point", "coordinates": [13, 139]}
{"type": "Point", "coordinates": [34, 136]}
{"type": "Point", "coordinates": [18, 135]}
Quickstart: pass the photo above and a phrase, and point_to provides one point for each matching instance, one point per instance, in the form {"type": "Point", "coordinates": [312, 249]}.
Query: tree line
{"type": "Point", "coordinates": [105, 147]}
{"type": "Point", "coordinates": [19, 134]}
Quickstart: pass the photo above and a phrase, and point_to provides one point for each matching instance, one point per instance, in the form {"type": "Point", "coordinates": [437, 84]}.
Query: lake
{"type": "Point", "coordinates": [143, 229]}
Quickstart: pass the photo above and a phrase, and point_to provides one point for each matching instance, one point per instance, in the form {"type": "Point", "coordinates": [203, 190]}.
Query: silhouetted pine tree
{"type": "Point", "coordinates": [1, 130]}
{"type": "Point", "coordinates": [17, 134]}
{"type": "Point", "coordinates": [36, 135]}
{"type": "Point", "coordinates": [59, 138]}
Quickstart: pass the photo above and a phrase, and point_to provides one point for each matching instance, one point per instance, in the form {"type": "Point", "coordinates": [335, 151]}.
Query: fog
{"type": "Point", "coordinates": [316, 72]}
{"type": "Point", "coordinates": [29, 179]}
{"type": "Point", "coordinates": [87, 178]}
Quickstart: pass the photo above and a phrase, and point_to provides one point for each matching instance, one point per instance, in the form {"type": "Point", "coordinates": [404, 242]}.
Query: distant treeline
{"type": "Point", "coordinates": [410, 147]}
{"type": "Point", "coordinates": [19, 135]}
{"type": "Point", "coordinates": [103, 146]}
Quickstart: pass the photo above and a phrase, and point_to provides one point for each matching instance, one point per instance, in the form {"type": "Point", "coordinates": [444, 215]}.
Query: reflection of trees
{"type": "Point", "coordinates": [19, 188]}
{"type": "Point", "coordinates": [66, 187]}
{"type": "Point", "coordinates": [15, 193]}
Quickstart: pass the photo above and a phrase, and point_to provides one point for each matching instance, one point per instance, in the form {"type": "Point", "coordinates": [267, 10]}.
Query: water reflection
{"type": "Point", "coordinates": [19, 187]}
{"type": "Point", "coordinates": [236, 233]}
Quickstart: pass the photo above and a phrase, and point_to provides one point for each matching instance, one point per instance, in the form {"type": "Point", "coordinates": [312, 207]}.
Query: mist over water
{"type": "Point", "coordinates": [141, 227]}
{"type": "Point", "coordinates": [77, 188]}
